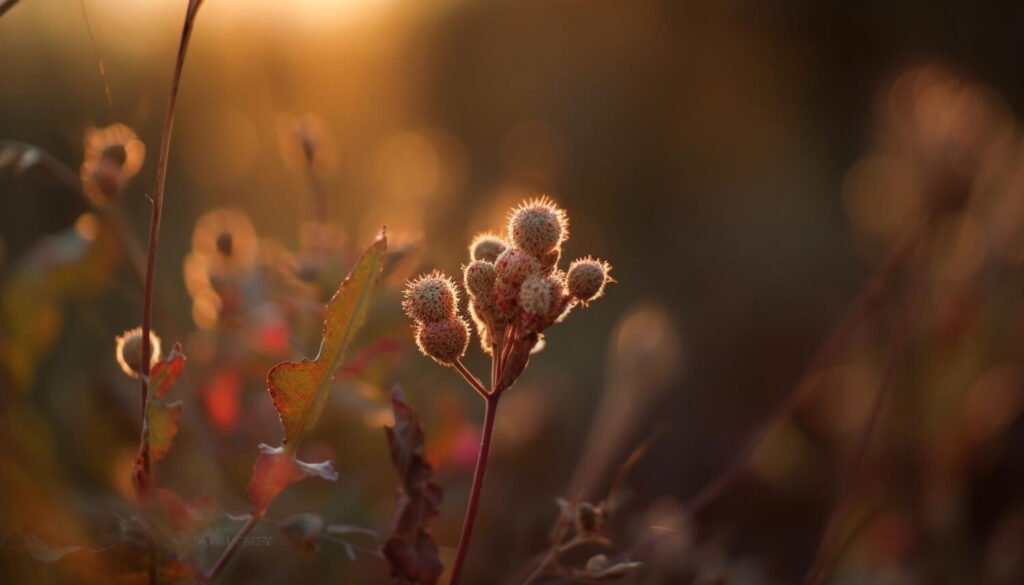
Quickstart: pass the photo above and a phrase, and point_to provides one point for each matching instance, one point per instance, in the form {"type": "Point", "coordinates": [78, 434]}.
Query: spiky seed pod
{"type": "Point", "coordinates": [512, 269]}
{"type": "Point", "coordinates": [444, 341]}
{"type": "Point", "coordinates": [128, 351]}
{"type": "Point", "coordinates": [538, 226]}
{"type": "Point", "coordinates": [586, 279]}
{"type": "Point", "coordinates": [486, 246]}
{"type": "Point", "coordinates": [431, 298]}
{"type": "Point", "coordinates": [535, 295]}
{"type": "Point", "coordinates": [479, 277]}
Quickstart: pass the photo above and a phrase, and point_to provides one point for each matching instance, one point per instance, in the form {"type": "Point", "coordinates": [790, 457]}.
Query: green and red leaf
{"type": "Point", "coordinates": [300, 389]}
{"type": "Point", "coordinates": [161, 427]}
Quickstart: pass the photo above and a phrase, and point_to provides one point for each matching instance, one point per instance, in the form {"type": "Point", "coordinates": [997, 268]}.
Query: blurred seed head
{"type": "Point", "coordinates": [113, 155]}
{"type": "Point", "coordinates": [305, 144]}
{"type": "Point", "coordinates": [445, 341]}
{"type": "Point", "coordinates": [486, 246]}
{"type": "Point", "coordinates": [227, 241]}
{"type": "Point", "coordinates": [586, 279]}
{"type": "Point", "coordinates": [538, 226]}
{"type": "Point", "coordinates": [128, 351]}
{"type": "Point", "coordinates": [431, 298]}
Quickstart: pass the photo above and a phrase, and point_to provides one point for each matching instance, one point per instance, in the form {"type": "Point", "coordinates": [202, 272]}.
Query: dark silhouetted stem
{"type": "Point", "coordinates": [154, 224]}
{"type": "Point", "coordinates": [6, 5]}
{"type": "Point", "coordinates": [865, 305]}
{"type": "Point", "coordinates": [232, 548]}
{"type": "Point", "coordinates": [853, 474]}
{"type": "Point", "coordinates": [490, 409]}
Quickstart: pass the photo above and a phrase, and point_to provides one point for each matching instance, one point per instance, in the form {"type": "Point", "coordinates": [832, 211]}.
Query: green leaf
{"type": "Point", "coordinates": [299, 389]}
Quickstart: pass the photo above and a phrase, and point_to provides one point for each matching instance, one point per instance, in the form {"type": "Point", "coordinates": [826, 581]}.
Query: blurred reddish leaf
{"type": "Point", "coordinates": [276, 468]}
{"type": "Point", "coordinates": [411, 551]}
{"type": "Point", "coordinates": [164, 374]}
{"type": "Point", "coordinates": [381, 350]}
{"type": "Point", "coordinates": [190, 517]}
{"type": "Point", "coordinates": [221, 398]}
{"type": "Point", "coordinates": [299, 389]}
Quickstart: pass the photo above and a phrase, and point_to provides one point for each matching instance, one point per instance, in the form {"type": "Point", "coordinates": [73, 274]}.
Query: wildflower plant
{"type": "Point", "coordinates": [516, 292]}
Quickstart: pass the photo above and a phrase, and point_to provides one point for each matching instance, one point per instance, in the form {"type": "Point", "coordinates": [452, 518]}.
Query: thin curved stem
{"type": "Point", "coordinates": [555, 553]}
{"type": "Point", "coordinates": [232, 547]}
{"type": "Point", "coordinates": [490, 409]}
{"type": "Point", "coordinates": [863, 307]}
{"type": "Point", "coordinates": [471, 379]}
{"type": "Point", "coordinates": [154, 222]}
{"type": "Point", "coordinates": [852, 477]}
{"type": "Point", "coordinates": [6, 5]}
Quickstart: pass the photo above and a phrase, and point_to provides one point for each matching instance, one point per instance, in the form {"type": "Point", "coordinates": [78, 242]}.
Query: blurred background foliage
{"type": "Point", "coordinates": [744, 166]}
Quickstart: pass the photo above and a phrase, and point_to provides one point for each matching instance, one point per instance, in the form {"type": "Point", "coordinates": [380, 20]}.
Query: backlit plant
{"type": "Point", "coordinates": [516, 292]}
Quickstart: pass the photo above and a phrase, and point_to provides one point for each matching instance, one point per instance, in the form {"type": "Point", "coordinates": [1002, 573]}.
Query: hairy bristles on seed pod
{"type": "Point", "coordinates": [586, 279]}
{"type": "Point", "coordinates": [444, 341]}
{"type": "Point", "coordinates": [128, 351]}
{"type": "Point", "coordinates": [536, 295]}
{"type": "Point", "coordinates": [512, 269]}
{"type": "Point", "coordinates": [431, 298]}
{"type": "Point", "coordinates": [479, 278]}
{"type": "Point", "coordinates": [486, 246]}
{"type": "Point", "coordinates": [538, 226]}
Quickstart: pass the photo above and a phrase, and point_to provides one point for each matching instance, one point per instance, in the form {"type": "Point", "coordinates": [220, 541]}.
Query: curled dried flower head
{"type": "Point", "coordinates": [479, 277]}
{"type": "Point", "coordinates": [512, 269]}
{"type": "Point", "coordinates": [128, 351]}
{"type": "Point", "coordinates": [431, 298]}
{"type": "Point", "coordinates": [113, 155]}
{"type": "Point", "coordinates": [586, 279]}
{"type": "Point", "coordinates": [486, 246]}
{"type": "Point", "coordinates": [444, 341]}
{"type": "Point", "coordinates": [538, 226]}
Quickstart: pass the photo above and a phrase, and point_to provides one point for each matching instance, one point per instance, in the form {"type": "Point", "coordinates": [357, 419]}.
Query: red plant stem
{"type": "Point", "coordinates": [232, 547]}
{"type": "Point", "coordinates": [490, 409]}
{"type": "Point", "coordinates": [471, 379]}
{"type": "Point", "coordinates": [154, 226]}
